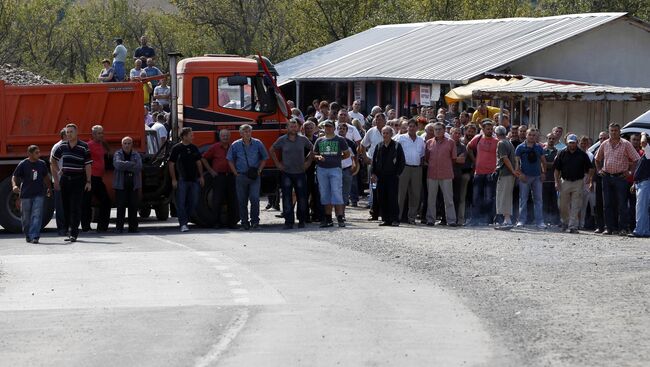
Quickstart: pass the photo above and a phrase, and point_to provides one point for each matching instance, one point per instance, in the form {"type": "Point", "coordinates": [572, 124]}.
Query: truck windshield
{"type": "Point", "coordinates": [256, 95]}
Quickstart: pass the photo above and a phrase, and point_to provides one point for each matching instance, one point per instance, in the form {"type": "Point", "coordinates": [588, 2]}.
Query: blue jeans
{"type": "Point", "coordinates": [118, 71]}
{"type": "Point", "coordinates": [615, 203]}
{"type": "Point", "coordinates": [330, 183]}
{"type": "Point", "coordinates": [60, 218]}
{"type": "Point", "coordinates": [642, 208]}
{"type": "Point", "coordinates": [248, 190]}
{"type": "Point", "coordinates": [297, 182]}
{"type": "Point", "coordinates": [534, 184]}
{"type": "Point", "coordinates": [32, 216]}
{"type": "Point", "coordinates": [187, 197]}
{"type": "Point", "coordinates": [483, 198]}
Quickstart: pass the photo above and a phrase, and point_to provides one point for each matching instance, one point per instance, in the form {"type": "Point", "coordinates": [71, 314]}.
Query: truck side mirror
{"type": "Point", "coordinates": [237, 80]}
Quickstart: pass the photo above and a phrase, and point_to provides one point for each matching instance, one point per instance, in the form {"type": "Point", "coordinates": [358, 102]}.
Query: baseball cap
{"type": "Point", "coordinates": [328, 123]}
{"type": "Point", "coordinates": [572, 138]}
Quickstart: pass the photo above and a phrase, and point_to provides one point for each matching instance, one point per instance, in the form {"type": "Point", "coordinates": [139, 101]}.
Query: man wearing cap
{"type": "Point", "coordinates": [570, 167]}
{"type": "Point", "coordinates": [482, 149]}
{"type": "Point", "coordinates": [119, 58]}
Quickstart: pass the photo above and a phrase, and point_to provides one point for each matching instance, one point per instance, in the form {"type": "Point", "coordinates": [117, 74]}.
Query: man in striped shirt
{"type": "Point", "coordinates": [72, 159]}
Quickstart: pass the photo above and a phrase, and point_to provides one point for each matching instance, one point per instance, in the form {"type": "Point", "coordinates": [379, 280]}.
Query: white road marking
{"type": "Point", "coordinates": [220, 267]}
{"type": "Point", "coordinates": [239, 291]}
{"type": "Point", "coordinates": [227, 275]}
{"type": "Point", "coordinates": [233, 329]}
{"type": "Point", "coordinates": [234, 283]}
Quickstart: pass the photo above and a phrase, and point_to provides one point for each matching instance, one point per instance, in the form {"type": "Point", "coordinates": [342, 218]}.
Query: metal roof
{"type": "Point", "coordinates": [558, 90]}
{"type": "Point", "coordinates": [301, 63]}
{"type": "Point", "coordinates": [427, 52]}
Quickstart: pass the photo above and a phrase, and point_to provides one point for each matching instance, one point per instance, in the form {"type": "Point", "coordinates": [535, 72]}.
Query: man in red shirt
{"type": "Point", "coordinates": [483, 148]}
{"type": "Point", "coordinates": [440, 155]}
{"type": "Point", "coordinates": [98, 150]}
{"type": "Point", "coordinates": [223, 180]}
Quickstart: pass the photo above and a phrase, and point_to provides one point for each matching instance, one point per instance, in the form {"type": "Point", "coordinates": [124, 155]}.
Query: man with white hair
{"type": "Point", "coordinates": [98, 150]}
{"type": "Point", "coordinates": [127, 181]}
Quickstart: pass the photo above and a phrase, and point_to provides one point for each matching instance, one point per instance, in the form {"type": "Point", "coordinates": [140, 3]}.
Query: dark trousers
{"type": "Point", "coordinates": [58, 207]}
{"type": "Point", "coordinates": [484, 191]}
{"type": "Point", "coordinates": [223, 192]}
{"type": "Point", "coordinates": [549, 204]}
{"type": "Point", "coordinates": [615, 203]}
{"type": "Point", "coordinates": [127, 199]}
{"type": "Point", "coordinates": [72, 192]}
{"type": "Point", "coordinates": [314, 195]}
{"type": "Point", "coordinates": [387, 188]}
{"type": "Point", "coordinates": [631, 205]}
{"type": "Point", "coordinates": [599, 216]}
{"type": "Point", "coordinates": [297, 182]}
{"type": "Point", "coordinates": [98, 190]}
{"type": "Point", "coordinates": [424, 195]}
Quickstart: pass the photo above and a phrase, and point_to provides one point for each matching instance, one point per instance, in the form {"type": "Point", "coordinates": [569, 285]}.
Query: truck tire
{"type": "Point", "coordinates": [204, 216]}
{"type": "Point", "coordinates": [162, 212]}
{"type": "Point", "coordinates": [145, 212]}
{"type": "Point", "coordinates": [10, 209]}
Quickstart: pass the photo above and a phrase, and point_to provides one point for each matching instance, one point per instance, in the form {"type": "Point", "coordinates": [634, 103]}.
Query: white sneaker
{"type": "Point", "coordinates": [185, 228]}
{"type": "Point", "coordinates": [520, 225]}
{"type": "Point", "coordinates": [541, 226]}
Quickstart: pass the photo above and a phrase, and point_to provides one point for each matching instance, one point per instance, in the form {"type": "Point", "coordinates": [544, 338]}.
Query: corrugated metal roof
{"type": "Point", "coordinates": [289, 68]}
{"type": "Point", "coordinates": [427, 53]}
{"type": "Point", "coordinates": [529, 87]}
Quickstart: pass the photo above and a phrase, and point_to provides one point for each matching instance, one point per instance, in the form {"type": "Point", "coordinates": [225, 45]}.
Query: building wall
{"type": "Point", "coordinates": [616, 53]}
{"type": "Point", "coordinates": [587, 118]}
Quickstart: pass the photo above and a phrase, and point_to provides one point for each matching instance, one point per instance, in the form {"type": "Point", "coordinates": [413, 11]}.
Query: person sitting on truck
{"type": "Point", "coordinates": [107, 74]}
{"type": "Point", "coordinates": [223, 181]}
{"type": "Point", "coordinates": [162, 94]}
{"type": "Point", "coordinates": [186, 171]}
{"type": "Point", "coordinates": [152, 70]}
{"type": "Point", "coordinates": [119, 58]}
{"type": "Point", "coordinates": [73, 159]}
{"type": "Point", "coordinates": [135, 73]}
{"type": "Point", "coordinates": [127, 181]}
{"type": "Point", "coordinates": [58, 204]}
{"type": "Point", "coordinates": [98, 150]}
{"type": "Point", "coordinates": [30, 180]}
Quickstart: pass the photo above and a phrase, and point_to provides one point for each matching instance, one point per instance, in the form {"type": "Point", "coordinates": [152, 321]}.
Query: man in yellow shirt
{"type": "Point", "coordinates": [484, 111]}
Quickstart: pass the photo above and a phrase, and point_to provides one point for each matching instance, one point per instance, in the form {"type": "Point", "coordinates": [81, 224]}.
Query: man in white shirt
{"type": "Point", "coordinates": [162, 94]}
{"type": "Point", "coordinates": [355, 114]}
{"type": "Point", "coordinates": [410, 181]}
{"type": "Point", "coordinates": [353, 132]}
{"type": "Point", "coordinates": [369, 142]}
{"type": "Point", "coordinates": [135, 73]}
{"type": "Point", "coordinates": [119, 57]}
{"type": "Point", "coordinates": [160, 129]}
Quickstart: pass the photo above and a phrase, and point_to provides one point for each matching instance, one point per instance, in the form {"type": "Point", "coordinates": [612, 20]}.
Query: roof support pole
{"type": "Point", "coordinates": [379, 95]}
{"type": "Point", "coordinates": [298, 99]}
{"type": "Point", "coordinates": [397, 102]}
{"type": "Point", "coordinates": [337, 95]}
{"type": "Point", "coordinates": [350, 95]}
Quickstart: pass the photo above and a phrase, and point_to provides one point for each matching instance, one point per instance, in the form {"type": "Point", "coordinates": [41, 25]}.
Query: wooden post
{"type": "Point", "coordinates": [378, 95]}
{"type": "Point", "coordinates": [298, 99]}
{"type": "Point", "coordinates": [350, 94]}
{"type": "Point", "coordinates": [397, 103]}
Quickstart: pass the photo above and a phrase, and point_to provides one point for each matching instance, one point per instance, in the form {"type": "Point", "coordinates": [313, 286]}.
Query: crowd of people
{"type": "Point", "coordinates": [454, 169]}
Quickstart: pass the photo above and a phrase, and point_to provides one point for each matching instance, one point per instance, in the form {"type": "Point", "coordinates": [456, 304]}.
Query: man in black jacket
{"type": "Point", "coordinates": [387, 164]}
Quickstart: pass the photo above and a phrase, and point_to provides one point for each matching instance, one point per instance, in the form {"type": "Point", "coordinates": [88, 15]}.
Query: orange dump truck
{"type": "Point", "coordinates": [208, 94]}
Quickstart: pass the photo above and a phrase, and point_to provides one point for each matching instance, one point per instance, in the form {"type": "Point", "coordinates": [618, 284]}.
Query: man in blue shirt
{"type": "Point", "coordinates": [530, 157]}
{"type": "Point", "coordinates": [30, 180]}
{"type": "Point", "coordinates": [247, 158]}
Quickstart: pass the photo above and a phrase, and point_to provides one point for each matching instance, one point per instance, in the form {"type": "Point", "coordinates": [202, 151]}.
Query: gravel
{"type": "Point", "coordinates": [551, 298]}
{"type": "Point", "coordinates": [18, 76]}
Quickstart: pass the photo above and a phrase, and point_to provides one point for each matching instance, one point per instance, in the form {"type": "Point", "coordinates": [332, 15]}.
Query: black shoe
{"type": "Point", "coordinates": [86, 229]}
{"type": "Point", "coordinates": [452, 225]}
{"type": "Point", "coordinates": [35, 241]}
{"type": "Point", "coordinates": [598, 231]}
{"type": "Point", "coordinates": [573, 230]}
{"type": "Point", "coordinates": [341, 223]}
{"type": "Point", "coordinates": [395, 224]}
{"type": "Point", "coordinates": [73, 239]}
{"type": "Point", "coordinates": [133, 231]}
{"type": "Point", "coordinates": [430, 224]}
{"type": "Point", "coordinates": [373, 218]}
{"type": "Point", "coordinates": [245, 227]}
{"type": "Point", "coordinates": [28, 240]}
{"type": "Point", "coordinates": [301, 224]}
{"type": "Point", "coordinates": [609, 233]}
{"type": "Point", "coordinates": [384, 224]}
{"type": "Point", "coordinates": [324, 224]}
{"type": "Point", "coordinates": [354, 205]}
{"type": "Point", "coordinates": [623, 233]}
{"type": "Point", "coordinates": [119, 230]}
{"type": "Point", "coordinates": [255, 226]}
{"type": "Point", "coordinates": [287, 226]}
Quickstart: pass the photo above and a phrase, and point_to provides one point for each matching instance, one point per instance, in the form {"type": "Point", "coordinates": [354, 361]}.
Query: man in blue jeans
{"type": "Point", "coordinates": [30, 180]}
{"type": "Point", "coordinates": [186, 171]}
{"type": "Point", "coordinates": [530, 157]}
{"type": "Point", "coordinates": [292, 147]}
{"type": "Point", "coordinates": [247, 158]}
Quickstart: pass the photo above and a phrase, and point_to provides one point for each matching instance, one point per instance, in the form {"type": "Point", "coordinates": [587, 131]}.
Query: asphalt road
{"type": "Point", "coordinates": [267, 298]}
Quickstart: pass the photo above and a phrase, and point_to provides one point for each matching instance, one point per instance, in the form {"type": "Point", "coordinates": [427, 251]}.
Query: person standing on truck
{"type": "Point", "coordinates": [247, 158]}
{"type": "Point", "coordinates": [127, 181]}
{"type": "Point", "coordinates": [187, 180]}
{"type": "Point", "coordinates": [144, 52]}
{"type": "Point", "coordinates": [73, 159]}
{"type": "Point", "coordinates": [294, 163]}
{"type": "Point", "coordinates": [162, 94]}
{"type": "Point", "coordinates": [119, 59]}
{"type": "Point", "coordinates": [223, 181]}
{"type": "Point", "coordinates": [98, 150]}
{"type": "Point", "coordinates": [58, 203]}
{"type": "Point", "coordinates": [30, 180]}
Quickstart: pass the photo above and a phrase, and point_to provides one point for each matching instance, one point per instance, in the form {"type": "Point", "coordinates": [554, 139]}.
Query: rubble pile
{"type": "Point", "coordinates": [14, 75]}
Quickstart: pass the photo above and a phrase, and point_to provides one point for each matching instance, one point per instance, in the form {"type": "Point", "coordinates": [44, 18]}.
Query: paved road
{"type": "Point", "coordinates": [270, 298]}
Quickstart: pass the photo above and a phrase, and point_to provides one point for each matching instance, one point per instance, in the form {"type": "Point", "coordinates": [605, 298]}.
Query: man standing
{"type": "Point", "coordinates": [127, 182]}
{"type": "Point", "coordinates": [350, 167]}
{"type": "Point", "coordinates": [440, 155]}
{"type": "Point", "coordinates": [98, 150]}
{"type": "Point", "coordinates": [344, 119]}
{"type": "Point", "coordinates": [247, 158]}
{"type": "Point", "coordinates": [550, 205]}
{"type": "Point", "coordinates": [570, 167]}
{"type": "Point", "coordinates": [144, 52]}
{"type": "Point", "coordinates": [355, 113]}
{"type": "Point", "coordinates": [410, 181]}
{"type": "Point", "coordinates": [186, 172]}
{"type": "Point", "coordinates": [599, 215]}
{"type": "Point", "coordinates": [223, 181]}
{"type": "Point", "coordinates": [294, 163]}
{"type": "Point", "coordinates": [530, 159]}
{"type": "Point", "coordinates": [485, 158]}
{"type": "Point", "coordinates": [506, 172]}
{"type": "Point", "coordinates": [615, 161]}
{"type": "Point", "coordinates": [152, 70]}
{"type": "Point", "coordinates": [32, 182]}
{"type": "Point", "coordinates": [309, 130]}
{"type": "Point", "coordinates": [329, 151]}
{"type": "Point", "coordinates": [642, 185]}
{"type": "Point", "coordinates": [73, 159]}
{"type": "Point", "coordinates": [387, 165]}
{"type": "Point", "coordinates": [369, 143]}
{"type": "Point", "coordinates": [461, 176]}
{"type": "Point", "coordinates": [119, 58]}
{"type": "Point", "coordinates": [58, 203]}
{"type": "Point", "coordinates": [162, 94]}
{"type": "Point", "coordinates": [558, 131]}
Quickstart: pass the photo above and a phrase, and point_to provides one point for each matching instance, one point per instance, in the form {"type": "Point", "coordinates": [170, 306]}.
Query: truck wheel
{"type": "Point", "coordinates": [162, 212]}
{"type": "Point", "coordinates": [9, 208]}
{"type": "Point", "coordinates": [145, 212]}
{"type": "Point", "coordinates": [204, 216]}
